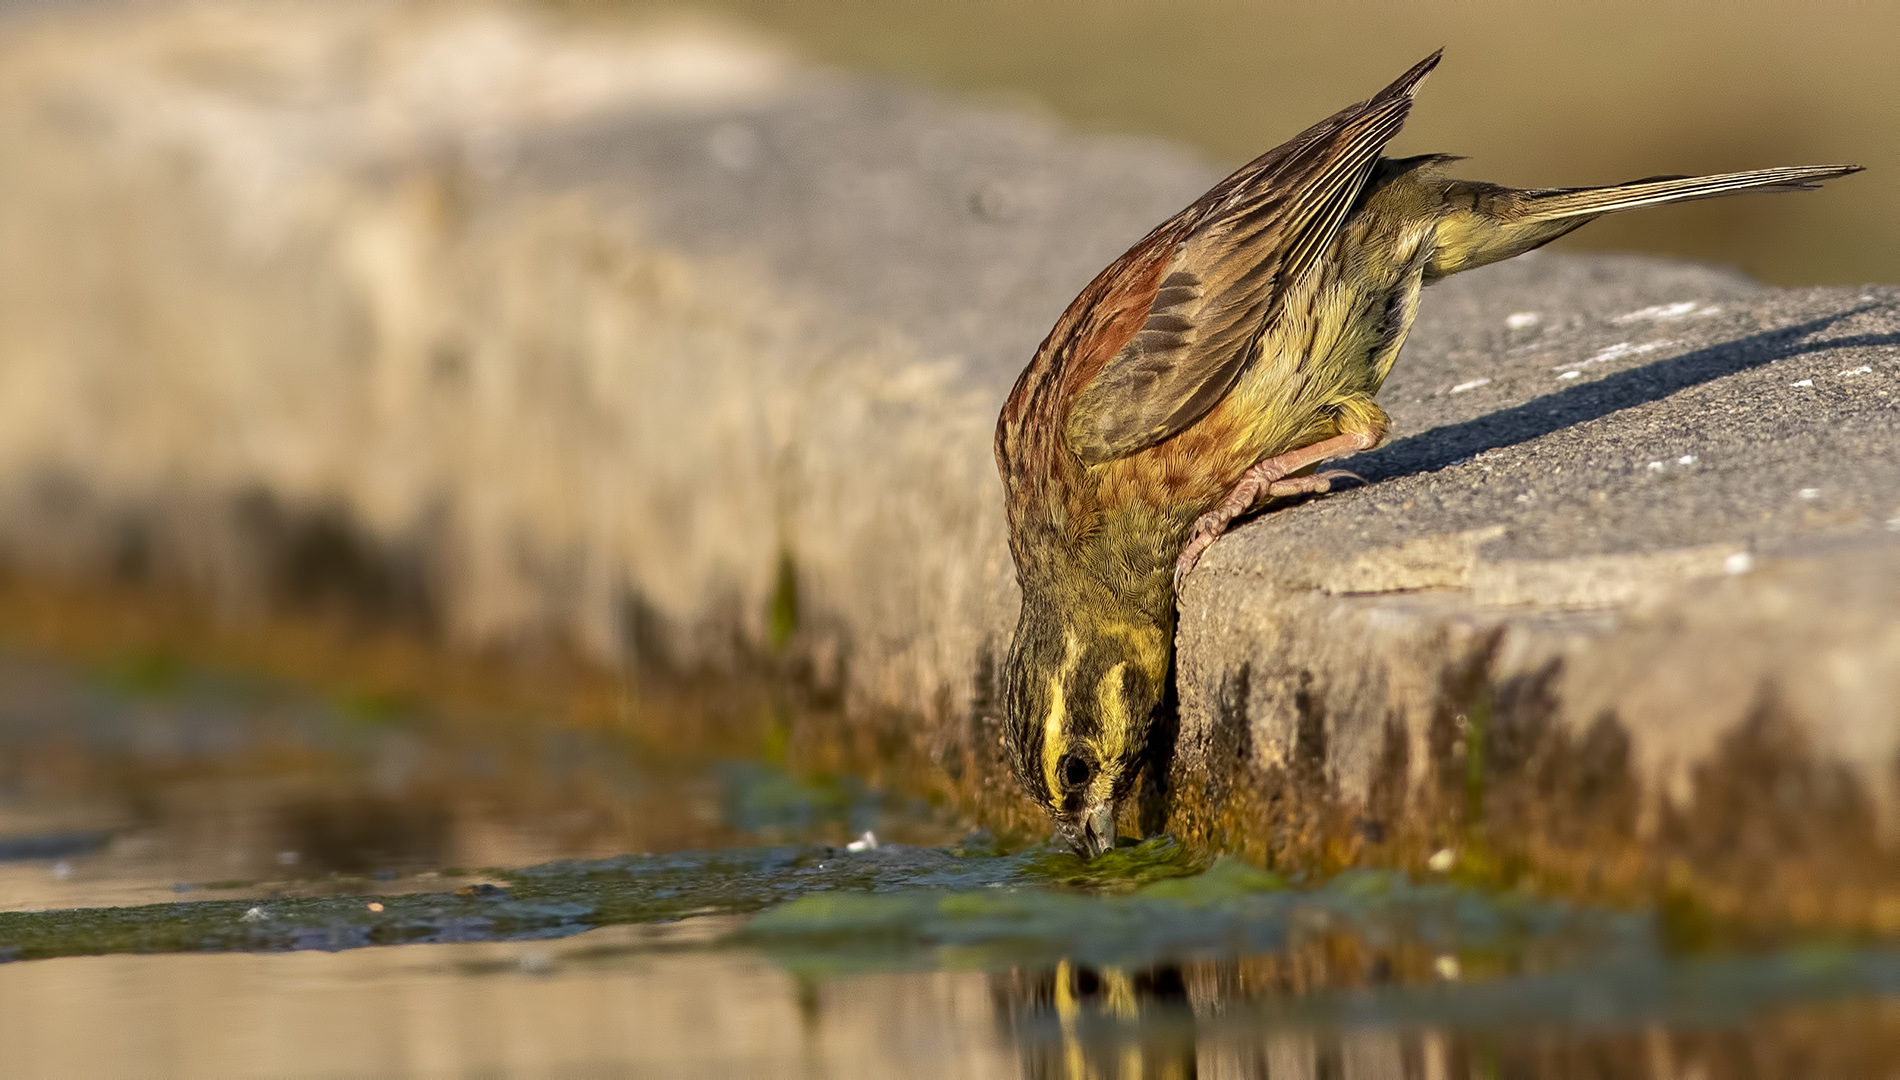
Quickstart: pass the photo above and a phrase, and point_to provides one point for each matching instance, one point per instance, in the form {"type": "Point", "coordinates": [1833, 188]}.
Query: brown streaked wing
{"type": "Point", "coordinates": [1250, 238]}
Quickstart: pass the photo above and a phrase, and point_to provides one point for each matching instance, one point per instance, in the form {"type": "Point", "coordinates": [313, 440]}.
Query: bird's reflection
{"type": "Point", "coordinates": [1242, 1020]}
{"type": "Point", "coordinates": [1075, 1021]}
{"type": "Point", "coordinates": [1079, 1021]}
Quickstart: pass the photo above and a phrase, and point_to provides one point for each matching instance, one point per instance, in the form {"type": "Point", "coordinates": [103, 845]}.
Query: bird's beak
{"type": "Point", "coordinates": [1093, 832]}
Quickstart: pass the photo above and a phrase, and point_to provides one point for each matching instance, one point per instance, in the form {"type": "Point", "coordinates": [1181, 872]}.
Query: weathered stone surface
{"type": "Point", "coordinates": [647, 338]}
{"type": "Point", "coordinates": [1667, 521]}
{"type": "Point", "coordinates": [1720, 470]}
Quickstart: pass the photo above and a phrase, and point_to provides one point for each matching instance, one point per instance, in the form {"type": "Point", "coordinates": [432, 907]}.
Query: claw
{"type": "Point", "coordinates": [1316, 484]}
{"type": "Point", "coordinates": [1267, 478]}
{"type": "Point", "coordinates": [1206, 530]}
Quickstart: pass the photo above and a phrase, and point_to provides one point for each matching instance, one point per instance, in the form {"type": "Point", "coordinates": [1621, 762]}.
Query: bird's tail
{"type": "Point", "coordinates": [1484, 223]}
{"type": "Point", "coordinates": [1555, 203]}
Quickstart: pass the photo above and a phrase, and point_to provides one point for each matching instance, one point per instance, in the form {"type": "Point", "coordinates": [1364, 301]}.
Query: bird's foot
{"type": "Point", "coordinates": [1209, 526]}
{"type": "Point", "coordinates": [1206, 530]}
{"type": "Point", "coordinates": [1316, 484]}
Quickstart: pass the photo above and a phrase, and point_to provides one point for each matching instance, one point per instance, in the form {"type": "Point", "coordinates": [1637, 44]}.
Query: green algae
{"type": "Point", "coordinates": [1226, 880]}
{"type": "Point", "coordinates": [551, 900]}
{"type": "Point", "coordinates": [1127, 867]}
{"type": "Point", "coordinates": [1230, 909]}
{"type": "Point", "coordinates": [890, 901]}
{"type": "Point", "coordinates": [1433, 951]}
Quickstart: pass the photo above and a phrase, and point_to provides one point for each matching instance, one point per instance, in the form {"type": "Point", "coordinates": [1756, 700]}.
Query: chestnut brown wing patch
{"type": "Point", "coordinates": [1250, 239]}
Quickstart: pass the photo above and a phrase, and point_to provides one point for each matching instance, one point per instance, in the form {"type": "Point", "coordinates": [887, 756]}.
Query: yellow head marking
{"type": "Point", "coordinates": [1113, 739]}
{"type": "Point", "coordinates": [1108, 695]}
{"type": "Point", "coordinates": [1148, 644]}
{"type": "Point", "coordinates": [1055, 740]}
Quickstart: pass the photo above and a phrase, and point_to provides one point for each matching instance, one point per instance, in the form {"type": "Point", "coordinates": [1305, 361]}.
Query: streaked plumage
{"type": "Point", "coordinates": [1213, 365]}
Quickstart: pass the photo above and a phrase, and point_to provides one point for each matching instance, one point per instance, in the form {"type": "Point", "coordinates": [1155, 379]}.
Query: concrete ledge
{"type": "Point", "coordinates": [1625, 596]}
{"type": "Point", "coordinates": [647, 339]}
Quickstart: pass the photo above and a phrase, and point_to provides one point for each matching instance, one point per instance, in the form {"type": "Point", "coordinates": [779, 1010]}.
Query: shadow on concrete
{"type": "Point", "coordinates": [1431, 450]}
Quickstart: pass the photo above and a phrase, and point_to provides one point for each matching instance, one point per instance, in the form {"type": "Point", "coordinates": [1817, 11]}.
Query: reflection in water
{"type": "Point", "coordinates": [284, 822]}
{"type": "Point", "coordinates": [674, 1001]}
{"type": "Point", "coordinates": [612, 1003]}
{"type": "Point", "coordinates": [1107, 1022]}
{"type": "Point", "coordinates": [1073, 1022]}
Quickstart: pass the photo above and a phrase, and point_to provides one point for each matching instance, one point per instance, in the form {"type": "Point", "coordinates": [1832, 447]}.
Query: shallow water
{"type": "Point", "coordinates": [205, 875]}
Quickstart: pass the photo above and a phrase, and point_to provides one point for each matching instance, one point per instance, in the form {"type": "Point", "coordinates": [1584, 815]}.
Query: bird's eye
{"type": "Point", "coordinates": [1075, 772]}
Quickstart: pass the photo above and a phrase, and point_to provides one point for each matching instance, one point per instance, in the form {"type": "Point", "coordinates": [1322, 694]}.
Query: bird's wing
{"type": "Point", "coordinates": [1238, 250]}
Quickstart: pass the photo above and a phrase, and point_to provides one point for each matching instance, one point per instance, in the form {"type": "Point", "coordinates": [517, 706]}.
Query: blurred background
{"type": "Point", "coordinates": [1534, 94]}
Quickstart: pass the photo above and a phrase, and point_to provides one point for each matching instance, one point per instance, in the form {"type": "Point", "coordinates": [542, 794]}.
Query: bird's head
{"type": "Point", "coordinates": [1080, 692]}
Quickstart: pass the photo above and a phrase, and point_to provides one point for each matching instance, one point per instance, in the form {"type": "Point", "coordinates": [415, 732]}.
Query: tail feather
{"type": "Point", "coordinates": [1484, 223]}
{"type": "Point", "coordinates": [1554, 203]}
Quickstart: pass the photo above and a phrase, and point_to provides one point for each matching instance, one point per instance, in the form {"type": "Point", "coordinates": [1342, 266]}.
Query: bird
{"type": "Point", "coordinates": [1212, 368]}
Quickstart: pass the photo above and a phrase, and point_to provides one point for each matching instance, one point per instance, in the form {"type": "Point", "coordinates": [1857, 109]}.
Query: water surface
{"type": "Point", "coordinates": [207, 875]}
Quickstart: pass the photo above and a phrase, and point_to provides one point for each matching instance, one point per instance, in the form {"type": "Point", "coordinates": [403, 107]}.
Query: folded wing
{"type": "Point", "coordinates": [1248, 240]}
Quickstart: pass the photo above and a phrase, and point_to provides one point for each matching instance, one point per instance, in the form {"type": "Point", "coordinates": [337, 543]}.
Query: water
{"type": "Point", "coordinates": [208, 875]}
